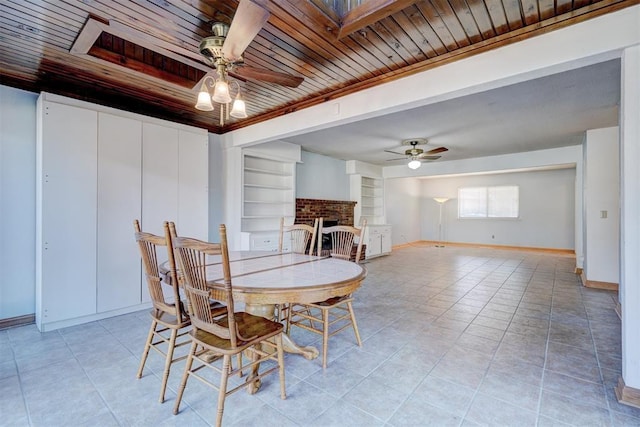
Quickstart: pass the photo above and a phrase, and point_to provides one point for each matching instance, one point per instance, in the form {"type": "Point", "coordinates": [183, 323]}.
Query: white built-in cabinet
{"type": "Point", "coordinates": [268, 193]}
{"type": "Point", "coordinates": [378, 240]}
{"type": "Point", "coordinates": [98, 170]}
{"type": "Point", "coordinates": [371, 199]}
{"type": "Point", "coordinates": [66, 213]}
{"type": "Point", "coordinates": [367, 189]}
{"type": "Point", "coordinates": [260, 189]}
{"type": "Point", "coordinates": [119, 192]}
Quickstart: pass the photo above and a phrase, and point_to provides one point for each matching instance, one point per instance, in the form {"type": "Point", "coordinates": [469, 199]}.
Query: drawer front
{"type": "Point", "coordinates": [264, 243]}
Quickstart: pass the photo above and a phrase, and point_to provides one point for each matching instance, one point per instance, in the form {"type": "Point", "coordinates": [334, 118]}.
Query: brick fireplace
{"type": "Point", "coordinates": [331, 210]}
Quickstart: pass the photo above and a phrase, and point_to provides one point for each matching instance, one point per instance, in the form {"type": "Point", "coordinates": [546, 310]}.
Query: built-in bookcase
{"type": "Point", "coordinates": [371, 198]}
{"type": "Point", "coordinates": [268, 193]}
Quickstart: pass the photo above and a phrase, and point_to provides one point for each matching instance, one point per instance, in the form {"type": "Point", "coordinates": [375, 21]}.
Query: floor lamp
{"type": "Point", "coordinates": [441, 201]}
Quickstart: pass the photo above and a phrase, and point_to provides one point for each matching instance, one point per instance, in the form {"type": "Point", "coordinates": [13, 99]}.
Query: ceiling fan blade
{"type": "Point", "coordinates": [437, 150]}
{"type": "Point", "coordinates": [393, 152]}
{"type": "Point", "coordinates": [399, 158]}
{"type": "Point", "coordinates": [426, 157]}
{"type": "Point", "coordinates": [261, 74]}
{"type": "Point", "coordinates": [247, 23]}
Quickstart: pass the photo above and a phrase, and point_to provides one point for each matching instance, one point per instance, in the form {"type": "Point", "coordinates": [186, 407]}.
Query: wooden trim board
{"type": "Point", "coordinates": [567, 252]}
{"type": "Point", "coordinates": [627, 395]}
{"type": "Point", "coordinates": [11, 322]}
{"type": "Point", "coordinates": [608, 286]}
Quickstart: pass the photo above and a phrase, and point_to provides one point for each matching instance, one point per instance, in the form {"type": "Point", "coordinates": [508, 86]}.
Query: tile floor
{"type": "Point", "coordinates": [452, 337]}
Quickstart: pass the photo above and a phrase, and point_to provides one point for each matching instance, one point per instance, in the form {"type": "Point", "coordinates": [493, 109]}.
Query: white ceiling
{"type": "Point", "coordinates": [548, 112]}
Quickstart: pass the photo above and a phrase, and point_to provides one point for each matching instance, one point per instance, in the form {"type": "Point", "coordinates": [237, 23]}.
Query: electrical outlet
{"type": "Point", "coordinates": [493, 236]}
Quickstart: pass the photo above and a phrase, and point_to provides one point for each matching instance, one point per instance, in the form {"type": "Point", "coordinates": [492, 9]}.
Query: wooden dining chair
{"type": "Point", "coordinates": [234, 333]}
{"type": "Point", "coordinates": [169, 319]}
{"type": "Point", "coordinates": [333, 315]}
{"type": "Point", "coordinates": [302, 236]}
{"type": "Point", "coordinates": [303, 241]}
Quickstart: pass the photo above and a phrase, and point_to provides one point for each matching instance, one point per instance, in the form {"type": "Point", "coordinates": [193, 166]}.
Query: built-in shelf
{"type": "Point", "coordinates": [272, 187]}
{"type": "Point", "coordinates": [371, 199]}
{"type": "Point", "coordinates": [268, 193]}
{"type": "Point", "coordinates": [266, 171]}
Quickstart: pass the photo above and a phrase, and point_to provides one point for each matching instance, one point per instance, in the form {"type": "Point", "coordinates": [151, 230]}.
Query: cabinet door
{"type": "Point", "coordinates": [193, 189]}
{"type": "Point", "coordinates": [67, 213]}
{"type": "Point", "coordinates": [119, 203]}
{"type": "Point", "coordinates": [159, 177]}
{"type": "Point", "coordinates": [373, 243]}
{"type": "Point", "coordinates": [385, 241]}
{"type": "Point", "coordinates": [159, 181]}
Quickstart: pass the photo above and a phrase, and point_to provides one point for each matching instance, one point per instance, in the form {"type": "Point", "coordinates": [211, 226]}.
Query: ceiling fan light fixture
{"type": "Point", "coordinates": [238, 109]}
{"type": "Point", "coordinates": [204, 99]}
{"type": "Point", "coordinates": [221, 92]}
{"type": "Point", "coordinates": [414, 164]}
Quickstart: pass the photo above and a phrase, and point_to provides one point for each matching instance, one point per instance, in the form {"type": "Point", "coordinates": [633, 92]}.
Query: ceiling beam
{"type": "Point", "coordinates": [369, 13]}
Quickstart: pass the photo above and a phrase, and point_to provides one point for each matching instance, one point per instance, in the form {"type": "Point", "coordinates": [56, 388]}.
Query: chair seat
{"type": "Point", "coordinates": [170, 320]}
{"type": "Point", "coordinates": [248, 325]}
{"type": "Point", "coordinates": [331, 302]}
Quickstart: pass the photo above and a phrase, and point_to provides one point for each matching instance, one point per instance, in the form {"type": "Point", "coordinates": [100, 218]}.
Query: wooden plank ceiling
{"type": "Point", "coordinates": [142, 55]}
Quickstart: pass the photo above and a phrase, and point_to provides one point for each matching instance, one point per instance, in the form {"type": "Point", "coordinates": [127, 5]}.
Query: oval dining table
{"type": "Point", "coordinates": [262, 279]}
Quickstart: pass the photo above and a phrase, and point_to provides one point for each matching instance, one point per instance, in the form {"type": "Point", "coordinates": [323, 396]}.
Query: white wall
{"type": "Point", "coordinates": [547, 200]}
{"type": "Point", "coordinates": [216, 187]}
{"type": "Point", "coordinates": [17, 202]}
{"type": "Point", "coordinates": [602, 194]}
{"type": "Point", "coordinates": [630, 212]}
{"type": "Point", "coordinates": [321, 177]}
{"type": "Point", "coordinates": [403, 210]}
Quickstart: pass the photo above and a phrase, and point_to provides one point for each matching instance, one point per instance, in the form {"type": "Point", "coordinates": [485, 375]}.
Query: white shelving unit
{"type": "Point", "coordinates": [367, 189]}
{"type": "Point", "coordinates": [259, 190]}
{"type": "Point", "coordinates": [369, 193]}
{"type": "Point", "coordinates": [371, 199]}
{"type": "Point", "coordinates": [268, 190]}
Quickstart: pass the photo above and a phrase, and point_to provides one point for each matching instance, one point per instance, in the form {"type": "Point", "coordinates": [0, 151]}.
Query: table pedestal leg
{"type": "Point", "coordinates": [268, 311]}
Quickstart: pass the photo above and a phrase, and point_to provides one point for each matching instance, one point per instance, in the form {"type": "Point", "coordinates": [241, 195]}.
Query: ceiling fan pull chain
{"type": "Point", "coordinates": [221, 114]}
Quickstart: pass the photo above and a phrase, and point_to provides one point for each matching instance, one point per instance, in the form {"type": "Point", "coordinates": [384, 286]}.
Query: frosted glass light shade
{"type": "Point", "coordinates": [239, 108]}
{"type": "Point", "coordinates": [221, 92]}
{"type": "Point", "coordinates": [414, 164]}
{"type": "Point", "coordinates": [204, 100]}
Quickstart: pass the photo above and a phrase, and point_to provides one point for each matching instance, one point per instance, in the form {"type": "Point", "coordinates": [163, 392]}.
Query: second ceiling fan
{"type": "Point", "coordinates": [223, 50]}
{"type": "Point", "coordinates": [416, 155]}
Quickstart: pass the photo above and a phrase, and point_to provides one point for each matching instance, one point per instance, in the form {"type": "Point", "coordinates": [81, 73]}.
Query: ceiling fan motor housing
{"type": "Point", "coordinates": [211, 47]}
{"type": "Point", "coordinates": [414, 152]}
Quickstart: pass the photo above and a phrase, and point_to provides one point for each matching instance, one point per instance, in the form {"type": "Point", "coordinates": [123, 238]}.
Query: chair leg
{"type": "Point", "coordinates": [185, 377]}
{"type": "Point", "coordinates": [353, 323]}
{"type": "Point", "coordinates": [280, 349]}
{"type": "Point", "coordinates": [287, 327]}
{"type": "Point", "coordinates": [147, 347]}
{"type": "Point", "coordinates": [325, 337]}
{"type": "Point", "coordinates": [222, 393]}
{"type": "Point", "coordinates": [167, 363]}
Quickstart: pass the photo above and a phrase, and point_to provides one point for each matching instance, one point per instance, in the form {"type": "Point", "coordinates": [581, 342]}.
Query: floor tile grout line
{"type": "Point", "coordinates": [546, 352]}
{"type": "Point", "coordinates": [84, 370]}
{"type": "Point", "coordinates": [477, 390]}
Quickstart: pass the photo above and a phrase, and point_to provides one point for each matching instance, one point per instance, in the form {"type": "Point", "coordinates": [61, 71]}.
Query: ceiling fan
{"type": "Point", "coordinates": [417, 155]}
{"type": "Point", "coordinates": [223, 50]}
